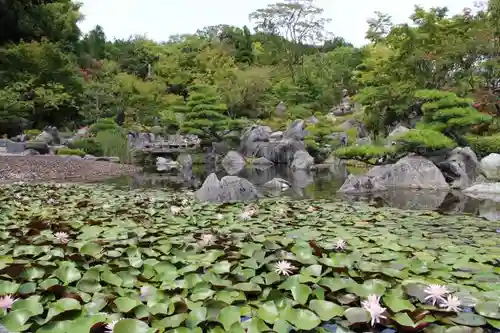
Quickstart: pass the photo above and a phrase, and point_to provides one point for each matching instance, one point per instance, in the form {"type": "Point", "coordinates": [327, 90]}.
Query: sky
{"type": "Point", "coordinates": [159, 19]}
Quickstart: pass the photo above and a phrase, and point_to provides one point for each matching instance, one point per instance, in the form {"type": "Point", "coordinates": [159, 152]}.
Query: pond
{"type": "Point", "coordinates": [322, 184]}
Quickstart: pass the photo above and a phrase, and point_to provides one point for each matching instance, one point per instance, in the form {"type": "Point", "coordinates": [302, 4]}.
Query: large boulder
{"type": "Point", "coordinates": [461, 168]}
{"type": "Point", "coordinates": [233, 162]}
{"type": "Point", "coordinates": [410, 172]}
{"type": "Point", "coordinates": [296, 131]}
{"type": "Point", "coordinates": [490, 166]}
{"type": "Point", "coordinates": [302, 160]}
{"type": "Point", "coordinates": [228, 189]}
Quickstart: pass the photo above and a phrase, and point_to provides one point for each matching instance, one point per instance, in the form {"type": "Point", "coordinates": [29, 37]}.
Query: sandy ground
{"type": "Point", "coordinates": [57, 168]}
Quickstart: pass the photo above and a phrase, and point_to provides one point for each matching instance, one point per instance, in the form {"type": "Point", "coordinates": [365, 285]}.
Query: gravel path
{"type": "Point", "coordinates": [57, 168]}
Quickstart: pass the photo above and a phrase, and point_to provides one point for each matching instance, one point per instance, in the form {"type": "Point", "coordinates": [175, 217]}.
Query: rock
{"type": "Point", "coordinates": [40, 146]}
{"type": "Point", "coordinates": [185, 160]}
{"type": "Point", "coordinates": [15, 147]}
{"type": "Point", "coordinates": [358, 125]}
{"type": "Point", "coordinates": [277, 183]}
{"type": "Point", "coordinates": [228, 189]}
{"type": "Point", "coordinates": [276, 136]}
{"type": "Point", "coordinates": [489, 191]}
{"type": "Point", "coordinates": [281, 152]}
{"type": "Point", "coordinates": [490, 166]}
{"type": "Point", "coordinates": [50, 136]}
{"type": "Point", "coordinates": [262, 161]}
{"type": "Point", "coordinates": [302, 160]}
{"type": "Point", "coordinates": [395, 132]}
{"type": "Point", "coordinates": [233, 162]}
{"type": "Point", "coordinates": [361, 184]}
{"type": "Point", "coordinates": [296, 131]}
{"type": "Point", "coordinates": [280, 108]}
{"type": "Point", "coordinates": [312, 120]}
{"type": "Point", "coordinates": [410, 172]}
{"type": "Point", "coordinates": [220, 148]}
{"type": "Point", "coordinates": [461, 168]}
{"type": "Point", "coordinates": [165, 165]}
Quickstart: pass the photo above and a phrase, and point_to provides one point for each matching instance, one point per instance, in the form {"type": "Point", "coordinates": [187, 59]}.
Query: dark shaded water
{"type": "Point", "coordinates": [321, 184]}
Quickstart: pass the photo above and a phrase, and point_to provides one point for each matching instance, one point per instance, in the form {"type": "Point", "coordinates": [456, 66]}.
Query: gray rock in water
{"type": "Point", "coordinates": [228, 189]}
{"type": "Point", "coordinates": [233, 162]}
{"type": "Point", "coordinates": [410, 172]}
{"type": "Point", "coordinates": [489, 191]}
{"type": "Point", "coordinates": [461, 168]}
{"type": "Point", "coordinates": [277, 183]}
{"type": "Point", "coordinates": [302, 160]}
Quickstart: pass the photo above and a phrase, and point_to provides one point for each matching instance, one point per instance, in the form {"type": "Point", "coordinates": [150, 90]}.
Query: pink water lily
{"type": "Point", "coordinates": [62, 237]}
{"type": "Point", "coordinates": [7, 301]}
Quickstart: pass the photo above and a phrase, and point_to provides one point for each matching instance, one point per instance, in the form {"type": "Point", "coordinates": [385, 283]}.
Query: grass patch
{"type": "Point", "coordinates": [80, 257]}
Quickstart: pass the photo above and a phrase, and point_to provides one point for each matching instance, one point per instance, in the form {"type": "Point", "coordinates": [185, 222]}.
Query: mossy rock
{"type": "Point", "coordinates": [39, 146]}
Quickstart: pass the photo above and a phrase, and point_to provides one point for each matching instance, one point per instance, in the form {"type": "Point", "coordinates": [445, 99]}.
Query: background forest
{"type": "Point", "coordinates": [52, 74]}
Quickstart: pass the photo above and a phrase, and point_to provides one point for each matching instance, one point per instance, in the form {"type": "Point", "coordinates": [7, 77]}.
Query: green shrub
{"type": "Point", "coordinates": [114, 143]}
{"type": "Point", "coordinates": [365, 153]}
{"type": "Point", "coordinates": [103, 125]}
{"type": "Point", "coordinates": [417, 139]}
{"type": "Point", "coordinates": [88, 145]}
{"type": "Point", "coordinates": [32, 133]}
{"type": "Point", "coordinates": [69, 151]}
{"type": "Point", "coordinates": [484, 145]}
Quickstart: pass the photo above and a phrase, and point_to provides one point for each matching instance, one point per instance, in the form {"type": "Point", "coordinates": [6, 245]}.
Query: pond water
{"type": "Point", "coordinates": [321, 184]}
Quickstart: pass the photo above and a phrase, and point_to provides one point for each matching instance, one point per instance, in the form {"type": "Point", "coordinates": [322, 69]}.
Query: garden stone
{"type": "Point", "coordinates": [489, 191]}
{"type": "Point", "coordinates": [358, 125]}
{"type": "Point", "coordinates": [461, 168]}
{"type": "Point", "coordinates": [164, 164]}
{"type": "Point", "coordinates": [276, 136]}
{"type": "Point", "coordinates": [490, 166]}
{"type": "Point", "coordinates": [277, 183]}
{"type": "Point", "coordinates": [15, 147]}
{"type": "Point", "coordinates": [302, 160]}
{"type": "Point", "coordinates": [296, 131]}
{"type": "Point", "coordinates": [233, 162]}
{"type": "Point", "coordinates": [395, 132]}
{"type": "Point", "coordinates": [228, 189]}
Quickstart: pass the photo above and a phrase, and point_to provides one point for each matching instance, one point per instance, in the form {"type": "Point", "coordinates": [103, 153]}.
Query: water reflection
{"type": "Point", "coordinates": [320, 184]}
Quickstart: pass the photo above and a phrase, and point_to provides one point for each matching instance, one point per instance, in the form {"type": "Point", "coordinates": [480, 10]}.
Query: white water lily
{"type": "Point", "coordinates": [111, 326]}
{"type": "Point", "coordinates": [452, 303]}
{"type": "Point", "coordinates": [6, 302]}
{"type": "Point", "coordinates": [372, 305]}
{"type": "Point", "coordinates": [245, 215]}
{"type": "Point", "coordinates": [62, 237]}
{"type": "Point", "coordinates": [184, 202]}
{"type": "Point", "coordinates": [311, 209]}
{"type": "Point", "coordinates": [145, 292]}
{"type": "Point", "coordinates": [283, 267]}
{"type": "Point", "coordinates": [435, 293]}
{"type": "Point", "coordinates": [208, 239]}
{"type": "Point", "coordinates": [340, 244]}
{"type": "Point", "coordinates": [219, 216]}
{"type": "Point", "coordinates": [175, 210]}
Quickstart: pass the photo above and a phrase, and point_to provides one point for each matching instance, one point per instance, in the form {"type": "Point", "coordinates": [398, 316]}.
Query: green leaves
{"type": "Point", "coordinates": [160, 277]}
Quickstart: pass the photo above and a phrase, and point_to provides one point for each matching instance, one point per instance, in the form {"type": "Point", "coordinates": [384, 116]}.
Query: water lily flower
{"type": "Point", "coordinates": [111, 326]}
{"type": "Point", "coordinates": [372, 305]}
{"type": "Point", "coordinates": [311, 209]}
{"type": "Point", "coordinates": [184, 202]}
{"type": "Point", "coordinates": [145, 292]}
{"type": "Point", "coordinates": [245, 215]}
{"type": "Point", "coordinates": [62, 237]}
{"type": "Point", "coordinates": [435, 293]}
{"type": "Point", "coordinates": [219, 216]}
{"type": "Point", "coordinates": [6, 302]}
{"type": "Point", "coordinates": [175, 210]}
{"type": "Point", "coordinates": [452, 303]}
{"type": "Point", "coordinates": [208, 239]}
{"type": "Point", "coordinates": [283, 267]}
{"type": "Point", "coordinates": [340, 244]}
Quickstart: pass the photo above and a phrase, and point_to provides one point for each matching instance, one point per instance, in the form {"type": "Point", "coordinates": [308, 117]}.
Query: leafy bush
{"type": "Point", "coordinates": [484, 145]}
{"type": "Point", "coordinates": [103, 125]}
{"type": "Point", "coordinates": [417, 139]}
{"type": "Point", "coordinates": [364, 153]}
{"type": "Point", "coordinates": [88, 145]}
{"type": "Point", "coordinates": [69, 151]}
{"type": "Point", "coordinates": [32, 133]}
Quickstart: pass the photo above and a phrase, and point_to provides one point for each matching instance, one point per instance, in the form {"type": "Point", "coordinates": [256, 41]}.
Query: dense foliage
{"type": "Point", "coordinates": [81, 257]}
